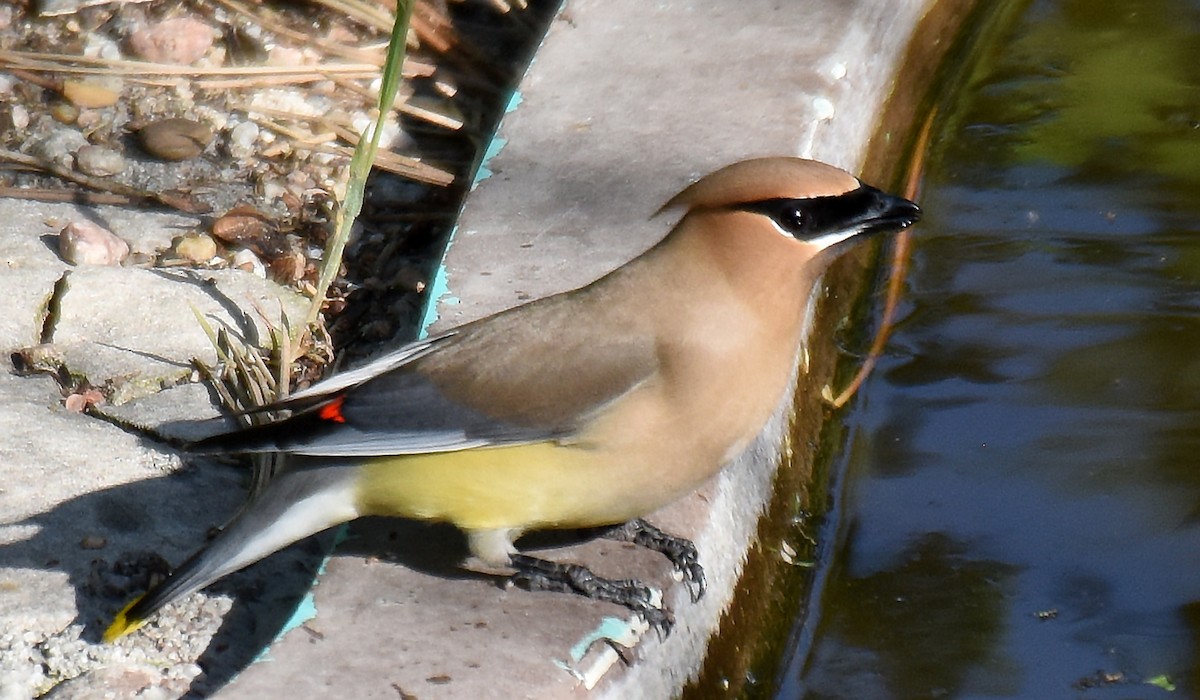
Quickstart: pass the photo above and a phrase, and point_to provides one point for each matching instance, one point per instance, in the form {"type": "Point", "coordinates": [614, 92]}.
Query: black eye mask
{"type": "Point", "coordinates": [863, 209]}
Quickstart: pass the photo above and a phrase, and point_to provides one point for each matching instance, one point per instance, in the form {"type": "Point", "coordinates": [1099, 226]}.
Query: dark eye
{"type": "Point", "coordinates": [799, 218]}
{"type": "Point", "coordinates": [793, 219]}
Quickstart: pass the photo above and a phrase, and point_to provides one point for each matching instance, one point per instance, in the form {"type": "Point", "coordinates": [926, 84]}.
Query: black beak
{"type": "Point", "coordinates": [888, 212]}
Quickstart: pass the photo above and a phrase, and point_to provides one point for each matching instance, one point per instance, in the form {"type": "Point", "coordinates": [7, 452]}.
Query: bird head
{"type": "Point", "coordinates": [809, 204]}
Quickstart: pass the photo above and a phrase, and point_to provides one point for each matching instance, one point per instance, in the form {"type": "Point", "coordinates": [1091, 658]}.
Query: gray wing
{"type": "Point", "coordinates": [532, 374]}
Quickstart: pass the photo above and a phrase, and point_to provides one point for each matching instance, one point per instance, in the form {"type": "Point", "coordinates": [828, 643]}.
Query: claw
{"type": "Point", "coordinates": [681, 552]}
{"type": "Point", "coordinates": [535, 574]}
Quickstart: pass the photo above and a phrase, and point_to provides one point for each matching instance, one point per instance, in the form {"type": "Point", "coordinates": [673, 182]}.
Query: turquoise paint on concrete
{"type": "Point", "coordinates": [514, 102]}
{"type": "Point", "coordinates": [494, 147]}
{"type": "Point", "coordinates": [439, 287]}
{"type": "Point", "coordinates": [439, 293]}
{"type": "Point", "coordinates": [610, 628]}
{"type": "Point", "coordinates": [306, 609]}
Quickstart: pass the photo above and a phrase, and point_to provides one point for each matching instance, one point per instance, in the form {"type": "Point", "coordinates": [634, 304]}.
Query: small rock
{"type": "Point", "coordinates": [273, 190]}
{"type": "Point", "coordinates": [197, 247]}
{"type": "Point", "coordinates": [90, 93]}
{"type": "Point", "coordinates": [59, 147]}
{"type": "Point", "coordinates": [178, 41]}
{"type": "Point", "coordinates": [243, 139]}
{"type": "Point", "coordinates": [86, 243]}
{"type": "Point", "coordinates": [81, 400]}
{"type": "Point", "coordinates": [246, 226]}
{"type": "Point", "coordinates": [64, 112]}
{"type": "Point", "coordinates": [20, 117]}
{"type": "Point", "coordinates": [99, 161]}
{"type": "Point", "coordinates": [13, 118]}
{"type": "Point", "coordinates": [175, 139]}
{"type": "Point", "coordinates": [298, 182]}
{"type": "Point", "coordinates": [98, 45]}
{"type": "Point", "coordinates": [91, 120]}
{"type": "Point", "coordinates": [93, 542]}
{"type": "Point", "coordinates": [247, 261]}
{"type": "Point", "coordinates": [286, 56]}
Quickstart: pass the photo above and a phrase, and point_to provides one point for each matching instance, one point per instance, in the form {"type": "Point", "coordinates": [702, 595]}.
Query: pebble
{"type": "Point", "coordinates": [299, 182]}
{"type": "Point", "coordinates": [178, 41]}
{"type": "Point", "coordinates": [80, 401]}
{"type": "Point", "coordinates": [59, 147]}
{"type": "Point", "coordinates": [273, 190]}
{"type": "Point", "coordinates": [64, 112]}
{"type": "Point", "coordinates": [92, 93]}
{"type": "Point", "coordinates": [244, 226]}
{"type": "Point", "coordinates": [18, 117]}
{"type": "Point", "coordinates": [243, 140]}
{"type": "Point", "coordinates": [86, 243]}
{"type": "Point", "coordinates": [91, 120]}
{"type": "Point", "coordinates": [287, 56]}
{"type": "Point", "coordinates": [197, 247]}
{"type": "Point", "coordinates": [99, 161]}
{"type": "Point", "coordinates": [175, 138]}
{"type": "Point", "coordinates": [247, 261]}
{"type": "Point", "coordinates": [98, 45]}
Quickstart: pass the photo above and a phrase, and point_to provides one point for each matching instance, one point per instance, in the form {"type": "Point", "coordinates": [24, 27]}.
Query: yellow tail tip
{"type": "Point", "coordinates": [121, 624]}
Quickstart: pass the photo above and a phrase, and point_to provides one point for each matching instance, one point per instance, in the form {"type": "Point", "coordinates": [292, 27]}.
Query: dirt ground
{"type": "Point", "coordinates": [247, 113]}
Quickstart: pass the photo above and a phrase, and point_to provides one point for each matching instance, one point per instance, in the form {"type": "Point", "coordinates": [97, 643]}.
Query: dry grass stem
{"type": "Point", "coordinates": [265, 18]}
{"type": "Point", "coordinates": [371, 15]}
{"type": "Point", "coordinates": [176, 201]}
{"type": "Point", "coordinates": [901, 253]}
{"type": "Point", "coordinates": [58, 63]}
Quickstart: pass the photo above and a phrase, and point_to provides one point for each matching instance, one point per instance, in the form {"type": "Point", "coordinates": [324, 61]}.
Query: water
{"type": "Point", "coordinates": [1020, 516]}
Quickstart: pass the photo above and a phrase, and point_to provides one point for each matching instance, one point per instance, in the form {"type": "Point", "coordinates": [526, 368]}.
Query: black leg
{"type": "Point", "coordinates": [681, 552]}
{"type": "Point", "coordinates": [535, 574]}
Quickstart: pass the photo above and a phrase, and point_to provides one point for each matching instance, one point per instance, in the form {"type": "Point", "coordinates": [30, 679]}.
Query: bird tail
{"type": "Point", "coordinates": [294, 505]}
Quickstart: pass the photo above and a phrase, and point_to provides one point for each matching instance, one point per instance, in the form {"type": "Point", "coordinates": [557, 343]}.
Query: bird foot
{"type": "Point", "coordinates": [535, 574]}
{"type": "Point", "coordinates": [679, 551]}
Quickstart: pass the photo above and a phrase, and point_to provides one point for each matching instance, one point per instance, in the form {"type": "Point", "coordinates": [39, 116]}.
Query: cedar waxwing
{"type": "Point", "coordinates": [589, 408]}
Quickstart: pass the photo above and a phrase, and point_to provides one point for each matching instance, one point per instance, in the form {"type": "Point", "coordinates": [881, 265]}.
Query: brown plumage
{"type": "Point", "coordinates": [591, 407]}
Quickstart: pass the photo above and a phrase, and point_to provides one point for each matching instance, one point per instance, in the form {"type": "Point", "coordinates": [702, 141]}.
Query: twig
{"type": "Point", "coordinates": [49, 62]}
{"type": "Point", "coordinates": [901, 254]}
{"type": "Point", "coordinates": [42, 194]}
{"type": "Point", "coordinates": [263, 19]}
{"type": "Point", "coordinates": [369, 15]}
{"type": "Point", "coordinates": [180, 202]}
{"type": "Point", "coordinates": [398, 164]}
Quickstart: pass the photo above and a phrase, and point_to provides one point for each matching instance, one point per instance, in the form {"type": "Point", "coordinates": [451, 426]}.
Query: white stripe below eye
{"type": "Point", "coordinates": [821, 242]}
{"type": "Point", "coordinates": [833, 238]}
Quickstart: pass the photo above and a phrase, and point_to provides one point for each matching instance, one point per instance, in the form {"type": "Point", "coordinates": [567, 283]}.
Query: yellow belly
{"type": "Point", "coordinates": [524, 487]}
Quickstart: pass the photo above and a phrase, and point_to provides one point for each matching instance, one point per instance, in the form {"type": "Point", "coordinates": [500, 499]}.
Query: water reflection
{"type": "Point", "coordinates": [1023, 511]}
{"type": "Point", "coordinates": [922, 627]}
